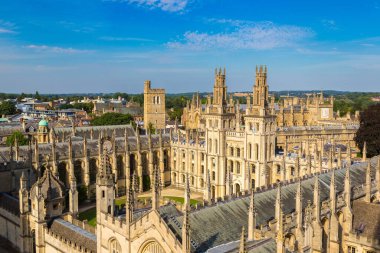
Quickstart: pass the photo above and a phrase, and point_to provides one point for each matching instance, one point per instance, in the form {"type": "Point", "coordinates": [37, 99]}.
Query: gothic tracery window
{"type": "Point", "coordinates": [114, 246]}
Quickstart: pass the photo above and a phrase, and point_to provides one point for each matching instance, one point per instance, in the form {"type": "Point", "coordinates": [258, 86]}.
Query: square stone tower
{"type": "Point", "coordinates": [154, 106]}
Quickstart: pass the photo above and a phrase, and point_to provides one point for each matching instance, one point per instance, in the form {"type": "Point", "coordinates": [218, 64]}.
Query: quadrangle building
{"type": "Point", "coordinates": [276, 177]}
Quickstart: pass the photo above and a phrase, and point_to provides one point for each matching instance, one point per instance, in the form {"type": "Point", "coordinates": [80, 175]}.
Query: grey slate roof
{"type": "Point", "coordinates": [222, 223]}
{"type": "Point", "coordinates": [74, 234]}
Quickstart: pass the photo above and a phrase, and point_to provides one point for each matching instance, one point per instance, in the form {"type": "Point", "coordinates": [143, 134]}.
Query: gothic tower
{"type": "Point", "coordinates": [220, 88]}
{"type": "Point", "coordinates": [154, 107]}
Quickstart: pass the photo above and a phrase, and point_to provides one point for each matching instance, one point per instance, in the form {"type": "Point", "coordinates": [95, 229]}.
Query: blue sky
{"type": "Point", "coordinates": [67, 46]}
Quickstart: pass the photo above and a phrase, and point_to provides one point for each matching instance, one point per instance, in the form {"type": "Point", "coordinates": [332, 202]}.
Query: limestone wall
{"type": "Point", "coordinates": [10, 227]}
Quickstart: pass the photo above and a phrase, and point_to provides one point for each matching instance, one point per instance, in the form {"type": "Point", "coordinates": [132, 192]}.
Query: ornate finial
{"type": "Point", "coordinates": [243, 246]}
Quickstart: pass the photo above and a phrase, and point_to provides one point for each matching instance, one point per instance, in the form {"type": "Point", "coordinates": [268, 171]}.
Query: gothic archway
{"type": "Point", "coordinates": [152, 247]}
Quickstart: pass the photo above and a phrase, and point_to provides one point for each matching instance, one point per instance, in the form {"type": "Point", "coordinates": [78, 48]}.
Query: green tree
{"type": "Point", "coordinates": [112, 118]}
{"type": "Point", "coordinates": [151, 128]}
{"type": "Point", "coordinates": [369, 130]}
{"type": "Point", "coordinates": [7, 108]}
{"type": "Point", "coordinates": [21, 139]}
{"type": "Point", "coordinates": [37, 96]}
{"type": "Point", "coordinates": [175, 113]}
{"type": "Point", "coordinates": [121, 94]}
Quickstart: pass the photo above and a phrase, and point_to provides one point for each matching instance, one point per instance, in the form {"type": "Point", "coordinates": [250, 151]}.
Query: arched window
{"type": "Point", "coordinates": [183, 178]}
{"type": "Point", "coordinates": [237, 188]}
{"type": "Point", "coordinates": [253, 168]}
{"type": "Point", "coordinates": [238, 152]}
{"type": "Point", "coordinates": [213, 175]}
{"type": "Point", "coordinates": [158, 100]}
{"type": "Point", "coordinates": [257, 151]}
{"type": "Point", "coordinates": [216, 146]}
{"type": "Point", "coordinates": [238, 167]}
{"type": "Point", "coordinates": [231, 151]}
{"type": "Point", "coordinates": [114, 246]}
{"type": "Point", "coordinates": [249, 150]}
{"type": "Point", "coordinates": [192, 181]}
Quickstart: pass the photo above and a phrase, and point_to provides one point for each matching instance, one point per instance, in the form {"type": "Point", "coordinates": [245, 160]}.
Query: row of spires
{"type": "Point", "coordinates": [316, 207]}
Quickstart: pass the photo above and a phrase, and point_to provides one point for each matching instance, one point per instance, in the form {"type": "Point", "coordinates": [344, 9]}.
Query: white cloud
{"type": "Point", "coordinates": [60, 50]}
{"type": "Point", "coordinates": [165, 5]}
{"type": "Point", "coordinates": [6, 27]}
{"type": "Point", "coordinates": [3, 30]}
{"type": "Point", "coordinates": [245, 35]}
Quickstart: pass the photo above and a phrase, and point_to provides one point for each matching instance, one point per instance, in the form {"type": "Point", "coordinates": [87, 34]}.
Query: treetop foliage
{"type": "Point", "coordinates": [7, 108]}
{"type": "Point", "coordinates": [21, 139]}
{"type": "Point", "coordinates": [112, 118]}
{"type": "Point", "coordinates": [369, 130]}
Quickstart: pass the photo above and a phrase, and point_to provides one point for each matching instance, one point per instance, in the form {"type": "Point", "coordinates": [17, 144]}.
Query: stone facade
{"type": "Point", "coordinates": [307, 198]}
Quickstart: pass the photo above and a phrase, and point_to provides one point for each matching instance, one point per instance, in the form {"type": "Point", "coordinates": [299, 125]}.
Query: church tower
{"type": "Point", "coordinates": [154, 107]}
{"type": "Point", "coordinates": [220, 88]}
{"type": "Point", "coordinates": [260, 89]}
{"type": "Point", "coordinates": [219, 117]}
{"type": "Point", "coordinates": [105, 192]}
{"type": "Point", "coordinates": [260, 127]}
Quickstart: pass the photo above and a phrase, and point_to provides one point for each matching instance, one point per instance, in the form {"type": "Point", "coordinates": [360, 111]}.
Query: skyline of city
{"type": "Point", "coordinates": [110, 46]}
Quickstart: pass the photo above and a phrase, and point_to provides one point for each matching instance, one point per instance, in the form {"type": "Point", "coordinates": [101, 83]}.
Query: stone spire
{"type": "Point", "coordinates": [334, 242]}
{"type": "Point", "coordinates": [280, 232]}
{"type": "Point", "coordinates": [317, 198]}
{"type": "Point", "coordinates": [347, 210]}
{"type": "Point", "coordinates": [283, 168]}
{"type": "Point", "coordinates": [299, 205]}
{"type": "Point", "coordinates": [331, 158]}
{"type": "Point", "coordinates": [155, 189]}
{"type": "Point", "coordinates": [367, 197]}
{"type": "Point", "coordinates": [319, 154]}
{"type": "Point", "coordinates": [105, 187]}
{"type": "Point", "coordinates": [73, 197]}
{"type": "Point", "coordinates": [364, 152]}
{"type": "Point", "coordinates": [332, 193]}
{"type": "Point", "coordinates": [129, 203]}
{"type": "Point", "coordinates": [207, 192]}
{"type": "Point", "coordinates": [243, 243]}
{"type": "Point", "coordinates": [348, 158]}
{"type": "Point", "coordinates": [339, 158]}
{"type": "Point", "coordinates": [17, 151]}
{"type": "Point", "coordinates": [309, 163]}
{"type": "Point", "coordinates": [105, 171]}
{"type": "Point", "coordinates": [298, 166]}
{"type": "Point", "coordinates": [347, 188]}
{"type": "Point", "coordinates": [23, 194]}
{"type": "Point", "coordinates": [185, 225]}
{"type": "Point", "coordinates": [251, 217]}
{"type": "Point", "coordinates": [278, 204]}
{"type": "Point", "coordinates": [134, 189]}
{"type": "Point", "coordinates": [70, 159]}
{"type": "Point", "coordinates": [171, 134]}
{"type": "Point", "coordinates": [137, 138]}
{"type": "Point", "coordinates": [37, 158]}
